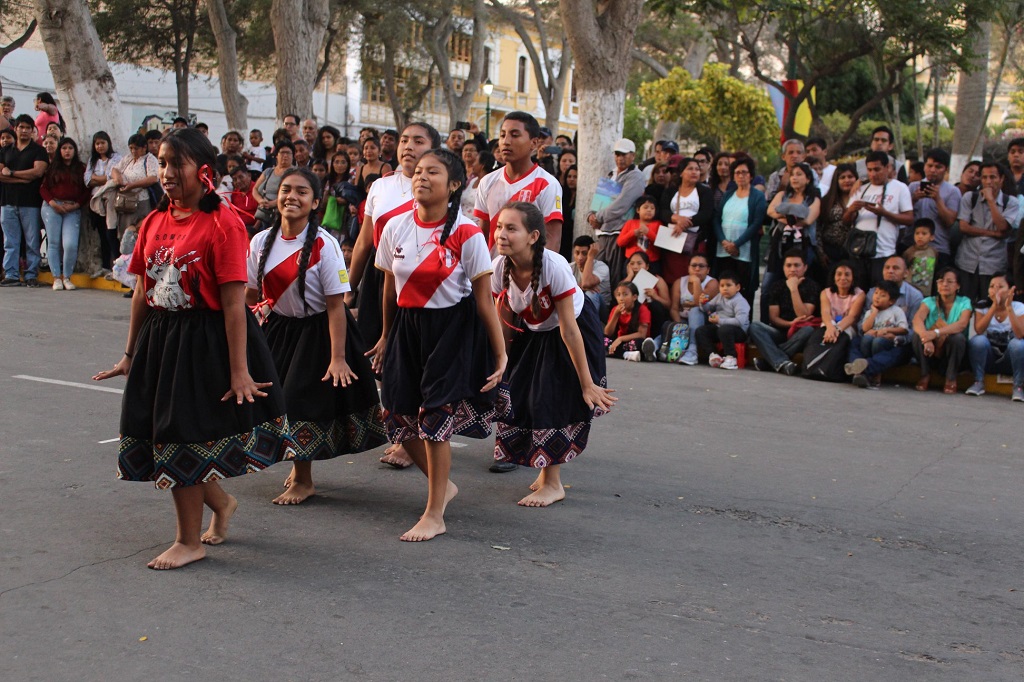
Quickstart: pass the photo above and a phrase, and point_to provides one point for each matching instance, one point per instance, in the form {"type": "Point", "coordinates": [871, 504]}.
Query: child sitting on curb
{"type": "Point", "coordinates": [884, 326]}
{"type": "Point", "coordinates": [728, 322]}
{"type": "Point", "coordinates": [626, 333]}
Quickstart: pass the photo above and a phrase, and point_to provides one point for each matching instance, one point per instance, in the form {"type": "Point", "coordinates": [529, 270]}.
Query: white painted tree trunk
{"type": "Point", "coordinates": [600, 126]}
{"type": "Point", "coordinates": [299, 29]}
{"type": "Point", "coordinates": [85, 86]}
{"type": "Point", "coordinates": [970, 105]}
{"type": "Point", "coordinates": [236, 106]}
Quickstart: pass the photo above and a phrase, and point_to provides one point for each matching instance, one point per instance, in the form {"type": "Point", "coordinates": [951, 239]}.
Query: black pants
{"type": "Point", "coordinates": [953, 350]}
{"type": "Point", "coordinates": [709, 334]}
{"type": "Point", "coordinates": [973, 285]}
{"type": "Point", "coordinates": [99, 223]}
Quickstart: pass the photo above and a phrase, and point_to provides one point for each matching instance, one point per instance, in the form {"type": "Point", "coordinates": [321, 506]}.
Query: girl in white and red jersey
{"type": "Point", "coordinates": [441, 352]}
{"type": "Point", "coordinates": [297, 280]}
{"type": "Point", "coordinates": [554, 383]}
{"type": "Point", "coordinates": [389, 197]}
{"type": "Point", "coordinates": [191, 337]}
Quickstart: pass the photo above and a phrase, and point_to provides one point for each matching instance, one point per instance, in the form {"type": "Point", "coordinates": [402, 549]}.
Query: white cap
{"type": "Point", "coordinates": [625, 146]}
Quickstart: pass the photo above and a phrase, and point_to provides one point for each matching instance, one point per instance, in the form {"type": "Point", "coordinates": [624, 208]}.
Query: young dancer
{"type": "Point", "coordinates": [297, 278]}
{"type": "Point", "coordinates": [389, 197]}
{"type": "Point", "coordinates": [189, 338]}
{"type": "Point", "coordinates": [554, 384]}
{"type": "Point", "coordinates": [441, 352]}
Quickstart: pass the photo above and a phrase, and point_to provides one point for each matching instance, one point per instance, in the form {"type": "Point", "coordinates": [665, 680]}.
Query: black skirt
{"type": "Point", "coordinates": [435, 363]}
{"type": "Point", "coordinates": [371, 292]}
{"type": "Point", "coordinates": [326, 421]}
{"type": "Point", "coordinates": [175, 429]}
{"type": "Point", "coordinates": [542, 417]}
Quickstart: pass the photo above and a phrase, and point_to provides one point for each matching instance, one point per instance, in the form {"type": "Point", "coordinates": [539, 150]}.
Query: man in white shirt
{"type": "Point", "coordinates": [817, 147]}
{"type": "Point", "coordinates": [884, 207]}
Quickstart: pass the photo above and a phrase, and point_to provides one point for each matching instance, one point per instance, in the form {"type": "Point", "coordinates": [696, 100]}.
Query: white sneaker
{"type": "Point", "coordinates": [631, 355]}
{"type": "Point", "coordinates": [729, 362]}
{"type": "Point", "coordinates": [68, 285]}
{"type": "Point", "coordinates": [715, 360]}
{"type": "Point", "coordinates": [58, 284]}
{"type": "Point", "coordinates": [648, 349]}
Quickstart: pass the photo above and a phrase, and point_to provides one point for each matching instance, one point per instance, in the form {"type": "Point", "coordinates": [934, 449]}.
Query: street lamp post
{"type": "Point", "coordinates": [488, 89]}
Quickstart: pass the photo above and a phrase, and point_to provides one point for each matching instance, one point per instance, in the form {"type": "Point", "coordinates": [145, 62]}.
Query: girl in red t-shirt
{"type": "Point", "coordinates": [191, 337]}
{"type": "Point", "coordinates": [626, 333]}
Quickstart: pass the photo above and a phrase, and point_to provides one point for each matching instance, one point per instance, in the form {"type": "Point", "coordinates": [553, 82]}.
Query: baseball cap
{"type": "Point", "coordinates": [670, 146]}
{"type": "Point", "coordinates": [625, 146]}
{"type": "Point", "coordinates": [675, 160]}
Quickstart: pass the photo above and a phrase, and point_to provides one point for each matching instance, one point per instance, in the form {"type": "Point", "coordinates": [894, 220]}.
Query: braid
{"type": "Point", "coordinates": [262, 266]}
{"type": "Point", "coordinates": [453, 214]}
{"type": "Point", "coordinates": [538, 267]}
{"type": "Point", "coordinates": [506, 275]}
{"type": "Point", "coordinates": [312, 230]}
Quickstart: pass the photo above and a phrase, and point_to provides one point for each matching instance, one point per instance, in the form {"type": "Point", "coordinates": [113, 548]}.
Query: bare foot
{"type": "Point", "coordinates": [536, 482]}
{"type": "Point", "coordinates": [177, 556]}
{"type": "Point", "coordinates": [397, 457]}
{"type": "Point", "coordinates": [218, 530]}
{"type": "Point", "coordinates": [426, 529]}
{"type": "Point", "coordinates": [543, 497]}
{"type": "Point", "coordinates": [449, 494]}
{"type": "Point", "coordinates": [297, 493]}
{"type": "Point", "coordinates": [288, 481]}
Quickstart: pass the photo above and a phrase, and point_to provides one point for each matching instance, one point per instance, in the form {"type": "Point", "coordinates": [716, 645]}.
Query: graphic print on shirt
{"type": "Point", "coordinates": [166, 272]}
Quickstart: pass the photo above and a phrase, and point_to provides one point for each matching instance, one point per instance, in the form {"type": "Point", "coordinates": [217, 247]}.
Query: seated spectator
{"type": "Point", "coordinates": [940, 330]}
{"type": "Point", "coordinates": [626, 333]}
{"type": "Point", "coordinates": [998, 344]}
{"type": "Point", "coordinates": [884, 326]}
{"type": "Point", "coordinates": [689, 294]}
{"type": "Point", "coordinates": [657, 297]}
{"type": "Point", "coordinates": [728, 321]}
{"type": "Point", "coordinates": [909, 301]}
{"type": "Point", "coordinates": [841, 303]}
{"type": "Point", "coordinates": [591, 274]}
{"type": "Point", "coordinates": [986, 217]}
{"type": "Point", "coordinates": [922, 258]}
{"type": "Point", "coordinates": [638, 234]}
{"type": "Point", "coordinates": [737, 225]}
{"type": "Point", "coordinates": [791, 307]}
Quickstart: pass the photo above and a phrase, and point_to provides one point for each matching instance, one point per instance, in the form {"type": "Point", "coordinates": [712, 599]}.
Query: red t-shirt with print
{"type": "Point", "coordinates": [625, 318]}
{"type": "Point", "coordinates": [184, 261]}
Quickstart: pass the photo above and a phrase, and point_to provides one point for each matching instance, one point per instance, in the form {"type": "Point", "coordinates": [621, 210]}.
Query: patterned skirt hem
{"type": "Point", "coordinates": [348, 435]}
{"type": "Point", "coordinates": [539, 448]}
{"type": "Point", "coordinates": [440, 424]}
{"type": "Point", "coordinates": [170, 465]}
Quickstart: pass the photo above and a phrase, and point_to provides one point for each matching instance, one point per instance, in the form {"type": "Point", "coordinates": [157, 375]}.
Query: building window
{"type": "Point", "coordinates": [460, 48]}
{"type": "Point", "coordinates": [521, 80]}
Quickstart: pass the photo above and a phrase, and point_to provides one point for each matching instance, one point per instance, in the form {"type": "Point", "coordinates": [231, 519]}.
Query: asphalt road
{"type": "Point", "coordinates": [722, 526]}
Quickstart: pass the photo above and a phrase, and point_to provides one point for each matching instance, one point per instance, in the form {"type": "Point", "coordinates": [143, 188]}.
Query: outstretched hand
{"type": "Point", "coordinates": [599, 397]}
{"type": "Point", "coordinates": [340, 373]}
{"type": "Point", "coordinates": [118, 370]}
{"type": "Point", "coordinates": [499, 372]}
{"type": "Point", "coordinates": [376, 354]}
{"type": "Point", "coordinates": [244, 388]}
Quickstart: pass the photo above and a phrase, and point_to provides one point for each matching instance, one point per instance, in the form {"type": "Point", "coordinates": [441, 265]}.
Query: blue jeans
{"type": "Point", "coordinates": [21, 222]}
{"type": "Point", "coordinates": [881, 356]}
{"type": "Point", "coordinates": [695, 320]}
{"type": "Point", "coordinates": [984, 361]}
{"type": "Point", "coordinates": [774, 345]}
{"type": "Point", "coordinates": [61, 234]}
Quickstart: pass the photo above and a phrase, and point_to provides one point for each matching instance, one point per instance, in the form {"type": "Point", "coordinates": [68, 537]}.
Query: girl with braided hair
{"type": "Point", "coordinates": [441, 353]}
{"type": "Point", "coordinates": [297, 280]}
{"type": "Point", "coordinates": [190, 337]}
{"type": "Point", "coordinates": [554, 383]}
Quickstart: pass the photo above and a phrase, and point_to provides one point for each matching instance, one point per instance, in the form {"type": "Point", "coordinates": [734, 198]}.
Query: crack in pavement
{"type": "Point", "coordinates": [77, 568]}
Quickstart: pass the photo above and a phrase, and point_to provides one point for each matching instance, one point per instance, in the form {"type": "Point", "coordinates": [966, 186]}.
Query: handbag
{"type": "Point", "coordinates": [334, 215]}
{"type": "Point", "coordinates": [861, 244]}
{"type": "Point", "coordinates": [125, 202]}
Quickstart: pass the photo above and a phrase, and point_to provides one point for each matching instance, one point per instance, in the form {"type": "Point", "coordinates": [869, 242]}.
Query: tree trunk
{"type": "Point", "coordinates": [970, 103]}
{"type": "Point", "coordinates": [299, 27]}
{"type": "Point", "coordinates": [88, 93]}
{"type": "Point", "coordinates": [437, 42]}
{"type": "Point", "coordinates": [236, 106]}
{"type": "Point", "coordinates": [181, 87]}
{"type": "Point", "coordinates": [601, 35]}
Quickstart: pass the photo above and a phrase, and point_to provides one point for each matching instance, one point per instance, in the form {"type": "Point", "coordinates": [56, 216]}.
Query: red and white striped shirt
{"type": "Point", "coordinates": [428, 275]}
{"type": "Point", "coordinates": [325, 274]}
{"type": "Point", "coordinates": [556, 282]}
{"type": "Point", "coordinates": [389, 196]}
{"type": "Point", "coordinates": [536, 187]}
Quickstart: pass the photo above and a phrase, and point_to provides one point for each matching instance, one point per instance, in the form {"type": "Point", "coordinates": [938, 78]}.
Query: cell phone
{"type": "Point", "coordinates": [462, 125]}
{"type": "Point", "coordinates": [553, 150]}
{"type": "Point", "coordinates": [925, 185]}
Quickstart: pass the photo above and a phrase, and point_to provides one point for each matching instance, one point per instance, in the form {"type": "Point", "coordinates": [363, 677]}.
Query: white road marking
{"type": "Point", "coordinates": [458, 445]}
{"type": "Point", "coordinates": [73, 384]}
{"type": "Point", "coordinates": [109, 440]}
